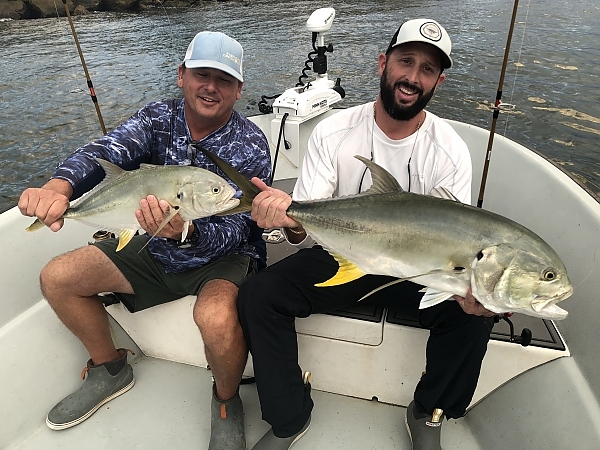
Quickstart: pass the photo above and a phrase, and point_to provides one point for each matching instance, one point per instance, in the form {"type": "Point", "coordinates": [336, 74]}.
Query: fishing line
{"type": "Point", "coordinates": [87, 75]}
{"type": "Point", "coordinates": [517, 69]}
{"type": "Point", "coordinates": [162, 3]}
{"type": "Point", "coordinates": [83, 114]}
{"type": "Point", "coordinates": [590, 272]}
{"type": "Point", "coordinates": [497, 106]}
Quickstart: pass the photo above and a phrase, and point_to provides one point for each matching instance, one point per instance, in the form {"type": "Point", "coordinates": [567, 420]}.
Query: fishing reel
{"type": "Point", "coordinates": [526, 335]}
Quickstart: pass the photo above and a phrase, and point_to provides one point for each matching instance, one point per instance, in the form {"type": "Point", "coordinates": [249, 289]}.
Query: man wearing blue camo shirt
{"type": "Point", "coordinates": [216, 258]}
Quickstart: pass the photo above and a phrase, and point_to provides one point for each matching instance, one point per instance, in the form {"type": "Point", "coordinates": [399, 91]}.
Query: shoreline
{"type": "Point", "coordinates": [40, 9]}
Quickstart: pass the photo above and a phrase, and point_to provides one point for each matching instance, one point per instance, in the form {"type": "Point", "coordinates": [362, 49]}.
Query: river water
{"type": "Point", "coordinates": [552, 78]}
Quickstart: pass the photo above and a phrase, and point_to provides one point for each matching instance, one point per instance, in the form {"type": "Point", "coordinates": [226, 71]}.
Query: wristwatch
{"type": "Point", "coordinates": [190, 239]}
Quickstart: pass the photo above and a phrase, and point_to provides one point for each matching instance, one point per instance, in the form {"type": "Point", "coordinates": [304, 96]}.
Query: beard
{"type": "Point", "coordinates": [398, 111]}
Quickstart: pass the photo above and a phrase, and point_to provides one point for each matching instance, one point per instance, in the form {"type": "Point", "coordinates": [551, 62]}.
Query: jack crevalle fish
{"type": "Point", "coordinates": [437, 242]}
{"type": "Point", "coordinates": [192, 192]}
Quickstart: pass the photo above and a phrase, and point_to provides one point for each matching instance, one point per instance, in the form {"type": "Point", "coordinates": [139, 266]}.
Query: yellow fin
{"type": "Point", "coordinates": [36, 225]}
{"type": "Point", "coordinates": [124, 237]}
{"type": "Point", "coordinates": [347, 272]}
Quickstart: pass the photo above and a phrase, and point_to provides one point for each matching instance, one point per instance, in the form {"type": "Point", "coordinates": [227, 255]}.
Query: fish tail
{"type": "Point", "coordinates": [36, 225]}
{"type": "Point", "coordinates": [248, 189]}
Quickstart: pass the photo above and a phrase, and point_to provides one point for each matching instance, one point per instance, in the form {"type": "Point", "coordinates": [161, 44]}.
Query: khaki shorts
{"type": "Point", "coordinates": [153, 286]}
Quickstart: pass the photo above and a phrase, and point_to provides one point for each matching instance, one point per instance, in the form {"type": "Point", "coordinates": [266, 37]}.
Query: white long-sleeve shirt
{"type": "Point", "coordinates": [440, 158]}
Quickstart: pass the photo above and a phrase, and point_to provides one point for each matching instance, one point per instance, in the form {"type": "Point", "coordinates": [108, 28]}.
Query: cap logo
{"type": "Point", "coordinates": [235, 59]}
{"type": "Point", "coordinates": [431, 31]}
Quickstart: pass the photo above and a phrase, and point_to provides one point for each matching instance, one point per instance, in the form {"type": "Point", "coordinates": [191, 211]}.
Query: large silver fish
{"type": "Point", "coordinates": [192, 192]}
{"type": "Point", "coordinates": [440, 243]}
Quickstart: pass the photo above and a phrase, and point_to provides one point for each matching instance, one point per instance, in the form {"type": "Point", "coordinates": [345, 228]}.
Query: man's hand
{"type": "Point", "coordinates": [151, 215]}
{"type": "Point", "coordinates": [47, 203]}
{"type": "Point", "coordinates": [269, 208]}
{"type": "Point", "coordinates": [470, 305]}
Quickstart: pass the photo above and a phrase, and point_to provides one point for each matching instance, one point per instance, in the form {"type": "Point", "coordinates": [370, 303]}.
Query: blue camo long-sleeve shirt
{"type": "Point", "coordinates": [158, 134]}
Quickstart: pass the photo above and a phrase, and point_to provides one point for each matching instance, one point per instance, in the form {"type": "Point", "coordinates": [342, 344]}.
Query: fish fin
{"type": "Point", "coordinates": [399, 280]}
{"type": "Point", "coordinates": [442, 192]}
{"type": "Point", "coordinates": [383, 181]}
{"type": "Point", "coordinates": [455, 271]}
{"type": "Point", "coordinates": [112, 171]}
{"type": "Point", "coordinates": [186, 226]}
{"type": "Point", "coordinates": [173, 210]}
{"type": "Point", "coordinates": [248, 189]}
{"type": "Point", "coordinates": [347, 272]}
{"type": "Point", "coordinates": [36, 225]}
{"type": "Point", "coordinates": [124, 237]}
{"type": "Point", "coordinates": [424, 290]}
{"type": "Point", "coordinates": [433, 297]}
{"type": "Point", "coordinates": [241, 208]}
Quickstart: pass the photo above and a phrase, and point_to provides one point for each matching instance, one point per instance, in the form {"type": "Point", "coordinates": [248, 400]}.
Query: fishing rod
{"type": "Point", "coordinates": [496, 107]}
{"type": "Point", "coordinates": [87, 75]}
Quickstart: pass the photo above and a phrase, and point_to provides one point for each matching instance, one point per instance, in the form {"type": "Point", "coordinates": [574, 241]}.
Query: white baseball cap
{"type": "Point", "coordinates": [216, 51]}
{"type": "Point", "coordinates": [424, 30]}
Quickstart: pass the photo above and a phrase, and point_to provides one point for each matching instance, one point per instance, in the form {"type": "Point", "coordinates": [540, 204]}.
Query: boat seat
{"type": "Point", "coordinates": [544, 333]}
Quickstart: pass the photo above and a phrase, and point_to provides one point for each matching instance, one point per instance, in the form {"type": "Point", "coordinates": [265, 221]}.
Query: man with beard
{"type": "Point", "coordinates": [423, 152]}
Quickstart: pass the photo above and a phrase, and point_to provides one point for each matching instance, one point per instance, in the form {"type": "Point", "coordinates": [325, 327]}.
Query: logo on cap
{"type": "Point", "coordinates": [431, 31]}
{"type": "Point", "coordinates": [235, 59]}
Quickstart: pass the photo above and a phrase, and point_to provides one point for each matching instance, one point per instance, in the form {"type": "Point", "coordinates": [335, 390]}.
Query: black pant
{"type": "Point", "coordinates": [269, 302]}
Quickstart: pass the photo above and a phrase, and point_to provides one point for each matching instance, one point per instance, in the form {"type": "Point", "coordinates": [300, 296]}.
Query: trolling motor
{"type": "Point", "coordinates": [312, 98]}
{"type": "Point", "coordinates": [526, 335]}
{"type": "Point", "coordinates": [307, 100]}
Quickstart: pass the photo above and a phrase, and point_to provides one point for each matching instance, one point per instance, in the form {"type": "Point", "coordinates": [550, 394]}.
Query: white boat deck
{"type": "Point", "coordinates": [533, 397]}
{"type": "Point", "coordinates": [175, 399]}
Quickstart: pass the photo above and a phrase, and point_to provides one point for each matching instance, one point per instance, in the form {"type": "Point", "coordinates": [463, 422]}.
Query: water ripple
{"type": "Point", "coordinates": [552, 76]}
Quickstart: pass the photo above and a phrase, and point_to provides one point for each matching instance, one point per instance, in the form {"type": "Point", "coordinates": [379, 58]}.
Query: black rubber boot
{"type": "Point", "coordinates": [227, 423]}
{"type": "Point", "coordinates": [425, 431]}
{"type": "Point", "coordinates": [271, 442]}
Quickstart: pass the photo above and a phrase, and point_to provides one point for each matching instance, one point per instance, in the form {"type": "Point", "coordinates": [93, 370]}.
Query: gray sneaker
{"type": "Point", "coordinates": [425, 431]}
{"type": "Point", "coordinates": [271, 442]}
{"type": "Point", "coordinates": [227, 424]}
{"type": "Point", "coordinates": [98, 387]}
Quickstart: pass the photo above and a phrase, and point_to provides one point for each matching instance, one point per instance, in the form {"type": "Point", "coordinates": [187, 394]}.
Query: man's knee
{"type": "Point", "coordinates": [83, 272]}
{"type": "Point", "coordinates": [215, 308]}
{"type": "Point", "coordinates": [215, 316]}
{"type": "Point", "coordinates": [55, 275]}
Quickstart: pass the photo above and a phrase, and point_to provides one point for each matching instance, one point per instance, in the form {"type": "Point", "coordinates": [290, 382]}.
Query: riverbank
{"type": "Point", "coordinates": [39, 9]}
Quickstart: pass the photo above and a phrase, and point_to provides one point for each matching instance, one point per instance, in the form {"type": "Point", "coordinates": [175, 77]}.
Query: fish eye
{"type": "Point", "coordinates": [216, 189]}
{"type": "Point", "coordinates": [548, 275]}
{"type": "Point", "coordinates": [179, 195]}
